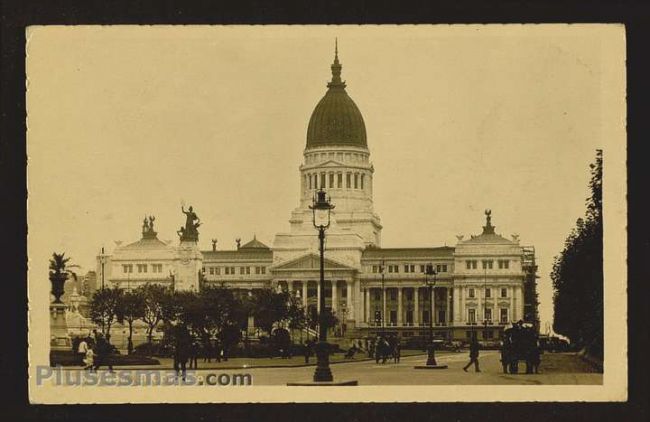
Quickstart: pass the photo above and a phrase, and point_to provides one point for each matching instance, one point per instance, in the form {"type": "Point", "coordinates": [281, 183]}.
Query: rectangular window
{"type": "Point", "coordinates": [471, 313]}
{"type": "Point", "coordinates": [406, 268]}
{"type": "Point", "coordinates": [504, 292]}
{"type": "Point", "coordinates": [488, 293]}
{"type": "Point", "coordinates": [504, 315]}
{"type": "Point", "coordinates": [348, 178]}
{"type": "Point", "coordinates": [263, 270]}
{"type": "Point", "coordinates": [393, 317]}
{"type": "Point", "coordinates": [442, 316]}
{"type": "Point", "coordinates": [412, 268]}
{"type": "Point", "coordinates": [409, 294]}
{"type": "Point", "coordinates": [421, 268]}
{"type": "Point", "coordinates": [241, 270]}
{"type": "Point", "coordinates": [425, 316]}
{"type": "Point", "coordinates": [309, 177]}
{"type": "Point", "coordinates": [390, 268]}
{"type": "Point", "coordinates": [322, 180]}
{"type": "Point", "coordinates": [217, 270]}
{"type": "Point", "coordinates": [211, 271]}
{"type": "Point", "coordinates": [374, 269]}
{"type": "Point", "coordinates": [339, 180]}
{"type": "Point", "coordinates": [257, 270]}
{"type": "Point", "coordinates": [393, 294]}
{"type": "Point", "coordinates": [377, 294]}
{"type": "Point", "coordinates": [362, 177]}
{"type": "Point", "coordinates": [124, 269]}
{"type": "Point", "coordinates": [471, 292]}
{"type": "Point", "coordinates": [487, 265]}
{"type": "Point", "coordinates": [356, 180]}
{"type": "Point", "coordinates": [248, 270]}
{"type": "Point", "coordinates": [488, 314]}
{"type": "Point", "coordinates": [331, 180]}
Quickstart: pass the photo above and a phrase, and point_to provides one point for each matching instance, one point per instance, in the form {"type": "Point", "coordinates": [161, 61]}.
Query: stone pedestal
{"type": "Point", "coordinates": [189, 262]}
{"type": "Point", "coordinates": [59, 337]}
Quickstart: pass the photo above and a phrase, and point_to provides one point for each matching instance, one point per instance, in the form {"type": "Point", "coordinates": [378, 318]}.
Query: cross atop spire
{"type": "Point", "coordinates": [336, 69]}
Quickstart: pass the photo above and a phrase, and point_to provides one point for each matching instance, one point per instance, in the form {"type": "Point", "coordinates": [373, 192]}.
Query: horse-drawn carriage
{"type": "Point", "coordinates": [520, 343]}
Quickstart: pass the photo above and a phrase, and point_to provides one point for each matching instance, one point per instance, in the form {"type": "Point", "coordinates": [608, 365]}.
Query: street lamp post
{"type": "Point", "coordinates": [321, 209]}
{"type": "Point", "coordinates": [430, 282]}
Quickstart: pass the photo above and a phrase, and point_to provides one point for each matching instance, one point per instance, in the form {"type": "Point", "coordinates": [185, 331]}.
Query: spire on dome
{"type": "Point", "coordinates": [336, 69]}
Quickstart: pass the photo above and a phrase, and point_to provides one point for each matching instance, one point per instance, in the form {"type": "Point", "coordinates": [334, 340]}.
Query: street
{"type": "Point", "coordinates": [556, 368]}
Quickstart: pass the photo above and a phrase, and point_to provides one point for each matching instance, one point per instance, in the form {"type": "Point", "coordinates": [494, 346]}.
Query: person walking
{"type": "Point", "coordinates": [82, 348]}
{"type": "Point", "coordinates": [473, 355]}
{"type": "Point", "coordinates": [307, 351]}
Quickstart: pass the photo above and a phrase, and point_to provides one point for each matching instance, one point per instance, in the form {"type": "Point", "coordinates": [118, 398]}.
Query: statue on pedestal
{"type": "Point", "coordinates": [192, 222]}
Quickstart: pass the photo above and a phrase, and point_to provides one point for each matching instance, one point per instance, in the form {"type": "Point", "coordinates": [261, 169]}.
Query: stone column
{"type": "Point", "coordinates": [433, 306]}
{"type": "Point", "coordinates": [335, 295]}
{"type": "Point", "coordinates": [399, 306]}
{"type": "Point", "coordinates": [448, 311]}
{"type": "Point", "coordinates": [304, 293]}
{"type": "Point", "coordinates": [416, 306]}
{"type": "Point", "coordinates": [515, 304]}
{"type": "Point", "coordinates": [383, 307]}
{"type": "Point", "coordinates": [457, 313]}
{"type": "Point", "coordinates": [348, 299]}
{"type": "Point", "coordinates": [367, 303]}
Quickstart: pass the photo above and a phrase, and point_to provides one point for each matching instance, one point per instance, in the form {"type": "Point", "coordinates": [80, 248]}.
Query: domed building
{"type": "Point", "coordinates": [479, 282]}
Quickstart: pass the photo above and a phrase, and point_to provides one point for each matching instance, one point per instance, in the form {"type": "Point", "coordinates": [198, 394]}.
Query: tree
{"type": "Point", "coordinates": [270, 308]}
{"type": "Point", "coordinates": [130, 309]}
{"type": "Point", "coordinates": [155, 299]}
{"type": "Point", "coordinates": [296, 314]}
{"type": "Point", "coordinates": [104, 308]}
{"type": "Point", "coordinates": [577, 273]}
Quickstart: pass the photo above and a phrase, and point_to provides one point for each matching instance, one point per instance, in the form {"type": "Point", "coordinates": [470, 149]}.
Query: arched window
{"type": "Point", "coordinates": [322, 181]}
{"type": "Point", "coordinates": [309, 177]}
{"type": "Point", "coordinates": [356, 180]}
{"type": "Point", "coordinates": [331, 180]}
{"type": "Point", "coordinates": [339, 180]}
{"type": "Point", "coordinates": [362, 177]}
{"type": "Point", "coordinates": [348, 178]}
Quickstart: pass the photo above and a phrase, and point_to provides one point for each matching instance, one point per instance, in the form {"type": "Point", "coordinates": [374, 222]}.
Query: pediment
{"type": "Point", "coordinates": [311, 261]}
{"type": "Point", "coordinates": [331, 163]}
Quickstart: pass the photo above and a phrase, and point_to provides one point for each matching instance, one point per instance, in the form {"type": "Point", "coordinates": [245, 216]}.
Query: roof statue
{"type": "Point", "coordinates": [192, 222]}
{"type": "Point", "coordinates": [488, 228]}
{"type": "Point", "coordinates": [147, 228]}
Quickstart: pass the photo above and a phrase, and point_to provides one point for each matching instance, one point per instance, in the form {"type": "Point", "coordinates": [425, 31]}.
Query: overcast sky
{"type": "Point", "coordinates": [128, 121]}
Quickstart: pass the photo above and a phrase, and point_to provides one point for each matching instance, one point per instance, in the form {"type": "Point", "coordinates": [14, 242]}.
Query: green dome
{"type": "Point", "coordinates": [336, 120]}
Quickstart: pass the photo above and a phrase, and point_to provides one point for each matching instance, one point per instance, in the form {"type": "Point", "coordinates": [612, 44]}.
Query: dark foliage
{"type": "Point", "coordinates": [578, 274]}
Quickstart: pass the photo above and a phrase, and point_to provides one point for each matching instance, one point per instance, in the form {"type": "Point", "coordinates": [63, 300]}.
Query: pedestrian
{"type": "Point", "coordinates": [473, 355]}
{"type": "Point", "coordinates": [102, 353]}
{"type": "Point", "coordinates": [82, 348]}
{"type": "Point", "coordinates": [307, 351]}
{"type": "Point", "coordinates": [194, 355]}
{"type": "Point", "coordinates": [88, 360]}
{"type": "Point", "coordinates": [397, 352]}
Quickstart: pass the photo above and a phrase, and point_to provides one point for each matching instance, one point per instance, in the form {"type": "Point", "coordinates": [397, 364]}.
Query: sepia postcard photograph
{"type": "Point", "coordinates": [380, 213]}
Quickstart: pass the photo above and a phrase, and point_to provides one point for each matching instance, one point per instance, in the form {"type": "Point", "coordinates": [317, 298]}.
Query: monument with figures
{"type": "Point", "coordinates": [189, 258]}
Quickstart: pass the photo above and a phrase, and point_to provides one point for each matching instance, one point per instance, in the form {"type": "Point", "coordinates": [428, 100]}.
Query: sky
{"type": "Point", "coordinates": [128, 121]}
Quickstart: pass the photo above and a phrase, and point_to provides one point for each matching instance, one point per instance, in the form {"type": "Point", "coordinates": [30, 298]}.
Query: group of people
{"type": "Point", "coordinates": [383, 348]}
{"type": "Point", "coordinates": [187, 350]}
{"type": "Point", "coordinates": [93, 351]}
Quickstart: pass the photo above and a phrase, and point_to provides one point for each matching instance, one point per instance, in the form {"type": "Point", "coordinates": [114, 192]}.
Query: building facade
{"type": "Point", "coordinates": [480, 283]}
